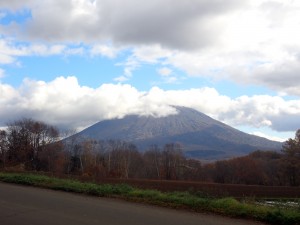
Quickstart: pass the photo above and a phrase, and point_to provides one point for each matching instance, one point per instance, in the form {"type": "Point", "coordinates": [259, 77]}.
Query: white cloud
{"type": "Point", "coordinates": [151, 53]}
{"type": "Point", "coordinates": [140, 55]}
{"type": "Point", "coordinates": [104, 50]}
{"type": "Point", "coordinates": [154, 22]}
{"type": "Point", "coordinates": [74, 51]}
{"type": "Point", "coordinates": [274, 138]}
{"type": "Point", "coordinates": [130, 65]}
{"type": "Point", "coordinates": [252, 41]}
{"type": "Point", "coordinates": [167, 75]}
{"type": "Point", "coordinates": [65, 103]}
{"type": "Point", "coordinates": [44, 50]}
{"type": "Point", "coordinates": [11, 50]}
{"type": "Point", "coordinates": [165, 72]}
{"type": "Point", "coordinates": [8, 52]}
{"type": "Point", "coordinates": [121, 79]}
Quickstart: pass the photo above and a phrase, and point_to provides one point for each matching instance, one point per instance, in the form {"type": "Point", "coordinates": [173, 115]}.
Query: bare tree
{"type": "Point", "coordinates": [120, 158]}
{"type": "Point", "coordinates": [172, 157]}
{"type": "Point", "coordinates": [153, 162]}
{"type": "Point", "coordinates": [27, 138]}
{"type": "Point", "coordinates": [291, 159]}
{"type": "Point", "coordinates": [3, 147]}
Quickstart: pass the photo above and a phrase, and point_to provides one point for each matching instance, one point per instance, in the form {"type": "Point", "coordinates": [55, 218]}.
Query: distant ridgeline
{"type": "Point", "coordinates": [199, 135]}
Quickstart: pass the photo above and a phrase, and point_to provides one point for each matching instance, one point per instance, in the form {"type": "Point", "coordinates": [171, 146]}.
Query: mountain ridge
{"type": "Point", "coordinates": [200, 135]}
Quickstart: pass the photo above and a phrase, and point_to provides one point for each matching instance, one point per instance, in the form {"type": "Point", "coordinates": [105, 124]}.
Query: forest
{"type": "Point", "coordinates": [29, 145]}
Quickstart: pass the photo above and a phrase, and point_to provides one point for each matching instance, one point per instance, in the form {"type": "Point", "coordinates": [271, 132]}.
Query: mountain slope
{"type": "Point", "coordinates": [200, 135]}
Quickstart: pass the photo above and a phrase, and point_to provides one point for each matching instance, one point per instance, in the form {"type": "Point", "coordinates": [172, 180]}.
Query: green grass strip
{"type": "Point", "coordinates": [225, 206]}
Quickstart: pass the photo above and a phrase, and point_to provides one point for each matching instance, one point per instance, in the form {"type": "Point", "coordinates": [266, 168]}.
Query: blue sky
{"type": "Point", "coordinates": [75, 62]}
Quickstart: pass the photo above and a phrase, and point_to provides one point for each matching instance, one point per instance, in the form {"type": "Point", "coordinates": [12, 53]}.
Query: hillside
{"type": "Point", "coordinates": [200, 135]}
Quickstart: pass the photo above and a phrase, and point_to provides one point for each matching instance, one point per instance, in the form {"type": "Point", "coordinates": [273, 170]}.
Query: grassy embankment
{"type": "Point", "coordinates": [192, 201]}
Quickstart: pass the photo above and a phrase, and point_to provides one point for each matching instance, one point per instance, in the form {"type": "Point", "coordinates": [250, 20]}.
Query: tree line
{"type": "Point", "coordinates": [32, 145]}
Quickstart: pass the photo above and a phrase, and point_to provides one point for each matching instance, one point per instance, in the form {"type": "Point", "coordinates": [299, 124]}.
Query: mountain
{"type": "Point", "coordinates": [200, 135]}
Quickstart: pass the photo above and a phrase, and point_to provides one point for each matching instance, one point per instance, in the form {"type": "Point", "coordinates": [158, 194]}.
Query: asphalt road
{"type": "Point", "coordinates": [33, 206]}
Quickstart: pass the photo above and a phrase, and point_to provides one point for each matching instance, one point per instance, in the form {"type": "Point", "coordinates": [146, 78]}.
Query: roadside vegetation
{"type": "Point", "coordinates": [29, 145]}
{"type": "Point", "coordinates": [243, 208]}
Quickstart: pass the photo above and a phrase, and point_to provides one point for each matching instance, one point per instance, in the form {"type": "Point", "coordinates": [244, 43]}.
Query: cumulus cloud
{"type": "Point", "coordinates": [14, 4]}
{"type": "Point", "coordinates": [130, 22]}
{"type": "Point", "coordinates": [281, 75]}
{"type": "Point", "coordinates": [251, 41]}
{"type": "Point", "coordinates": [64, 102]}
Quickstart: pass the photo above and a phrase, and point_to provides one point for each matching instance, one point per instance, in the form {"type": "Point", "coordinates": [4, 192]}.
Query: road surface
{"type": "Point", "coordinates": [34, 206]}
